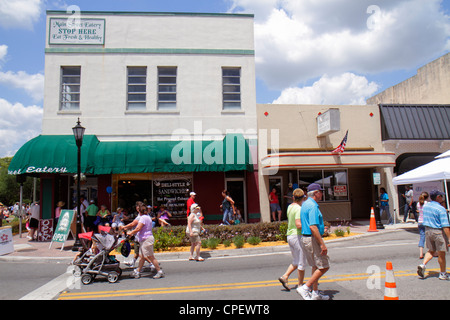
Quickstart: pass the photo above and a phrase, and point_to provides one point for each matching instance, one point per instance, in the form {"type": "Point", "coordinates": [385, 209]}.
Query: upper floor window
{"type": "Point", "coordinates": [231, 88]}
{"type": "Point", "coordinates": [167, 88]}
{"type": "Point", "coordinates": [137, 88]}
{"type": "Point", "coordinates": [70, 88]}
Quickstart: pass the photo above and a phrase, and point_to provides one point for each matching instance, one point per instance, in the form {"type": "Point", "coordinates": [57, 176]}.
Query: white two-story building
{"type": "Point", "coordinates": [169, 105]}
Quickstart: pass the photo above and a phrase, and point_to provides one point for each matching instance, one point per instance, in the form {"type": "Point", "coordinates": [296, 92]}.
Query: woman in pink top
{"type": "Point", "coordinates": [144, 233]}
{"type": "Point", "coordinates": [58, 209]}
{"type": "Point", "coordinates": [422, 200]}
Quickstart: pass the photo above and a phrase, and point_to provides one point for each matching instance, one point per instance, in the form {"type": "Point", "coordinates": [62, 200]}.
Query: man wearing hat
{"type": "Point", "coordinates": [312, 243]}
{"type": "Point", "coordinates": [437, 233]}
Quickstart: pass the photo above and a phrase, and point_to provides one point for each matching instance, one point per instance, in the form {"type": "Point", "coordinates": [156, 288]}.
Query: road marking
{"type": "Point", "coordinates": [51, 289]}
{"type": "Point", "coordinates": [219, 287]}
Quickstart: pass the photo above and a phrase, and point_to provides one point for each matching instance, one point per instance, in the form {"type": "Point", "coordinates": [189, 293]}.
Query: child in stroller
{"type": "Point", "coordinates": [97, 260]}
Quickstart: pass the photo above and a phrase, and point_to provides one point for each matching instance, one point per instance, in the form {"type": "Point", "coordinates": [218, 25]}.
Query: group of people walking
{"type": "Point", "coordinates": [141, 229]}
{"type": "Point", "coordinates": [433, 223]}
{"type": "Point", "coordinates": [304, 236]}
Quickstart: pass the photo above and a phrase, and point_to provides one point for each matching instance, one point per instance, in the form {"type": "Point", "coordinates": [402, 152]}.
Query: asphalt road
{"type": "Point", "coordinates": [357, 273]}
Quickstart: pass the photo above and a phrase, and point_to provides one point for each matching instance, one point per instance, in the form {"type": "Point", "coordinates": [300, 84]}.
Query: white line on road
{"type": "Point", "coordinates": [51, 289]}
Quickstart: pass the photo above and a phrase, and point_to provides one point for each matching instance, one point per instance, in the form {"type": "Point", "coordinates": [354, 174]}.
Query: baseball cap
{"type": "Point", "coordinates": [435, 193]}
{"type": "Point", "coordinates": [192, 193]}
{"type": "Point", "coordinates": [314, 187]}
{"type": "Point", "coordinates": [194, 206]}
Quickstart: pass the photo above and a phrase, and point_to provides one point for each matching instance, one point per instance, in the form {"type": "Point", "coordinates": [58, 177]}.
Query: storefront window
{"type": "Point", "coordinates": [334, 183]}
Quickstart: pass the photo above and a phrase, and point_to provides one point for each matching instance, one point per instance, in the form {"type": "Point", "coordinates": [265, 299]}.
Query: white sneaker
{"type": "Point", "coordinates": [159, 274]}
{"type": "Point", "coordinates": [130, 263]}
{"type": "Point", "coordinates": [136, 274]}
{"type": "Point", "coordinates": [304, 292]}
{"type": "Point", "coordinates": [316, 295]}
{"type": "Point", "coordinates": [421, 271]}
{"type": "Point", "coordinates": [443, 276]}
{"type": "Point", "coordinates": [151, 267]}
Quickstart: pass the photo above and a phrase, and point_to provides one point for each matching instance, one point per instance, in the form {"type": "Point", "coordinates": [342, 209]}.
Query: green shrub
{"type": "Point", "coordinates": [14, 224]}
{"type": "Point", "coordinates": [166, 238]}
{"type": "Point", "coordinates": [239, 241]}
{"type": "Point", "coordinates": [282, 236]}
{"type": "Point", "coordinates": [212, 243]}
{"type": "Point", "coordinates": [227, 243]}
{"type": "Point", "coordinates": [267, 231]}
{"type": "Point", "coordinates": [339, 232]}
{"type": "Point", "coordinates": [254, 240]}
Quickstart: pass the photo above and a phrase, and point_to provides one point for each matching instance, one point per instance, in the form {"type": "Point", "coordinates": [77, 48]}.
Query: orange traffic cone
{"type": "Point", "coordinates": [373, 222]}
{"type": "Point", "coordinates": [390, 291]}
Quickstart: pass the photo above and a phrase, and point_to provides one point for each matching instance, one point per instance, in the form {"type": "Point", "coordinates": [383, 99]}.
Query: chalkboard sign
{"type": "Point", "coordinates": [173, 194]}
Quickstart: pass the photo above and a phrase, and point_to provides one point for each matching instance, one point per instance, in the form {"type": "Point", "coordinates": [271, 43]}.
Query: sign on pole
{"type": "Point", "coordinates": [62, 229]}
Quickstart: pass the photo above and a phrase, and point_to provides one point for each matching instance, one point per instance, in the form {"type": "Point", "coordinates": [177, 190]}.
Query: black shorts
{"type": "Point", "coordinates": [34, 223]}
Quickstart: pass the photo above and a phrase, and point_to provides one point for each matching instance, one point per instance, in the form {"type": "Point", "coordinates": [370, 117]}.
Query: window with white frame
{"type": "Point", "coordinates": [231, 88]}
{"type": "Point", "coordinates": [333, 181]}
{"type": "Point", "coordinates": [167, 88]}
{"type": "Point", "coordinates": [70, 88]}
{"type": "Point", "coordinates": [136, 88]}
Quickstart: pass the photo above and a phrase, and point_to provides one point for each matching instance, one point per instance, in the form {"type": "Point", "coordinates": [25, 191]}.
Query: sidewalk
{"type": "Point", "coordinates": [25, 250]}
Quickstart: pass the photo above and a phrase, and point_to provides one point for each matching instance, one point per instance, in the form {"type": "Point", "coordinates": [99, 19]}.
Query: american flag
{"type": "Point", "coordinates": [341, 147]}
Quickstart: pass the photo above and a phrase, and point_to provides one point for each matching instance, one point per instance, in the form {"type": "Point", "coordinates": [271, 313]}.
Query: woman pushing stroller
{"type": "Point", "coordinates": [144, 234]}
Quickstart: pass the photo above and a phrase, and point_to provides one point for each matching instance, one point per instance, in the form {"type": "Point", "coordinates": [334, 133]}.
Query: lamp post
{"type": "Point", "coordinates": [78, 132]}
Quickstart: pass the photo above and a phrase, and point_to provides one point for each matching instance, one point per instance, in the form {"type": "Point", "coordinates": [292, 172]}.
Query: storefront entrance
{"type": "Point", "coordinates": [236, 188]}
{"type": "Point", "coordinates": [130, 191]}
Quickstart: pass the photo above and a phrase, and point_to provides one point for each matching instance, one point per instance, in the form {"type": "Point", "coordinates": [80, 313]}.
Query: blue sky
{"type": "Point", "coordinates": [307, 52]}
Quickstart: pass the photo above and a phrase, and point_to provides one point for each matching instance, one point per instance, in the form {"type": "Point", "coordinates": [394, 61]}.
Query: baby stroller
{"type": "Point", "coordinates": [97, 260]}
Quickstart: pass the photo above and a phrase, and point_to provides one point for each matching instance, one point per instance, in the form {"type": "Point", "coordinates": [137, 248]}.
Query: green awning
{"type": "Point", "coordinates": [53, 154]}
{"type": "Point", "coordinates": [58, 154]}
{"type": "Point", "coordinates": [231, 153]}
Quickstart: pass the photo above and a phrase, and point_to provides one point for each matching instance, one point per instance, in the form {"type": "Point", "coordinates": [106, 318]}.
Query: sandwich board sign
{"type": "Point", "coordinates": [6, 240]}
{"type": "Point", "coordinates": [63, 227]}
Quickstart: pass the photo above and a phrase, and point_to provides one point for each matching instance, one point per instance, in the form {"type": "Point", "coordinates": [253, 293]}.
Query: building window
{"type": "Point", "coordinates": [231, 87]}
{"type": "Point", "coordinates": [137, 88]}
{"type": "Point", "coordinates": [70, 88]}
{"type": "Point", "coordinates": [167, 88]}
{"type": "Point", "coordinates": [334, 182]}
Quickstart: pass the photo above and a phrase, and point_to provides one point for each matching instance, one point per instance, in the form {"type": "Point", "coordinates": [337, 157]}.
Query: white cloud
{"type": "Point", "coordinates": [3, 51]}
{"type": "Point", "coordinates": [19, 13]}
{"type": "Point", "coordinates": [347, 88]}
{"type": "Point", "coordinates": [299, 40]}
{"type": "Point", "coordinates": [33, 84]}
{"type": "Point", "coordinates": [18, 124]}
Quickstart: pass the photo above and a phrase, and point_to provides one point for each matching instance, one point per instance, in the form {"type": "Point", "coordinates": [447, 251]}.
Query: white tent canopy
{"type": "Point", "coordinates": [436, 170]}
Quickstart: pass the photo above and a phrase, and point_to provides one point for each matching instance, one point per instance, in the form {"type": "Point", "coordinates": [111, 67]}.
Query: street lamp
{"type": "Point", "coordinates": [78, 132]}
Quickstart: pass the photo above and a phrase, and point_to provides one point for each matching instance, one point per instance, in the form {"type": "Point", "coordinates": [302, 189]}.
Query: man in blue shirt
{"type": "Point", "coordinates": [437, 233]}
{"type": "Point", "coordinates": [384, 205]}
{"type": "Point", "coordinates": [312, 243]}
